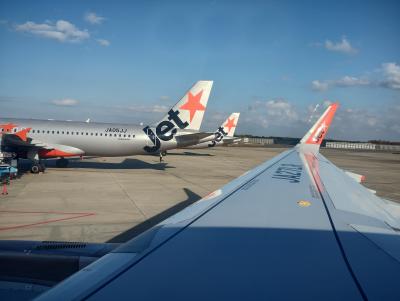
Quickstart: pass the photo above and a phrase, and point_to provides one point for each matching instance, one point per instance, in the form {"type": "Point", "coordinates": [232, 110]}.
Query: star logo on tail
{"type": "Point", "coordinates": [230, 124]}
{"type": "Point", "coordinates": [193, 104]}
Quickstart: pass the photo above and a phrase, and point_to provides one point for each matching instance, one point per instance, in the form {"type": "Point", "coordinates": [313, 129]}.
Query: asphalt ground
{"type": "Point", "coordinates": [114, 199]}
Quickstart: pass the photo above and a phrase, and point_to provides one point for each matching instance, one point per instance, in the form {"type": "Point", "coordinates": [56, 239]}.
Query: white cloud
{"type": "Point", "coordinates": [275, 112]}
{"type": "Point", "coordinates": [159, 108]}
{"type": "Point", "coordinates": [391, 71]}
{"type": "Point", "coordinates": [93, 18]}
{"type": "Point", "coordinates": [345, 81]}
{"type": "Point", "coordinates": [326, 103]}
{"type": "Point", "coordinates": [144, 108]}
{"type": "Point", "coordinates": [280, 117]}
{"type": "Point", "coordinates": [103, 42]}
{"type": "Point", "coordinates": [62, 31]}
{"type": "Point", "coordinates": [317, 85]}
{"type": "Point", "coordinates": [365, 124]}
{"type": "Point", "coordinates": [389, 74]}
{"type": "Point", "coordinates": [349, 81]}
{"type": "Point", "coordinates": [66, 102]}
{"type": "Point", "coordinates": [164, 97]}
{"type": "Point", "coordinates": [281, 109]}
{"type": "Point", "coordinates": [343, 46]}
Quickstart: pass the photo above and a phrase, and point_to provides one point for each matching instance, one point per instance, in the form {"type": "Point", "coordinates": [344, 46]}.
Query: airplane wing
{"type": "Point", "coordinates": [13, 140]}
{"type": "Point", "coordinates": [295, 227]}
{"type": "Point", "coordinates": [18, 141]}
{"type": "Point", "coordinates": [230, 140]}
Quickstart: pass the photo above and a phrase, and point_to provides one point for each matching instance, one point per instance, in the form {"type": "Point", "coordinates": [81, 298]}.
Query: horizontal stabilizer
{"type": "Point", "coordinates": [194, 138]}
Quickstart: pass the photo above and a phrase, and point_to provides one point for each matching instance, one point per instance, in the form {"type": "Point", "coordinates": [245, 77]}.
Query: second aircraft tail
{"type": "Point", "coordinates": [230, 124]}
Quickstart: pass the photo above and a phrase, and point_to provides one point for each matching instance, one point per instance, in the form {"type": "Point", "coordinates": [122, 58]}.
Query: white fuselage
{"type": "Point", "coordinates": [94, 139]}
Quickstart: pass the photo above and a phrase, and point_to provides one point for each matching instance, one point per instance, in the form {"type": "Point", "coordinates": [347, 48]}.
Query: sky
{"type": "Point", "coordinates": [279, 63]}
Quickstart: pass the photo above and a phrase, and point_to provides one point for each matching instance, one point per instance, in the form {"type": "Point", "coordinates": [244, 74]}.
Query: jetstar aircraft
{"type": "Point", "coordinates": [294, 228]}
{"type": "Point", "coordinates": [223, 135]}
{"type": "Point", "coordinates": [41, 139]}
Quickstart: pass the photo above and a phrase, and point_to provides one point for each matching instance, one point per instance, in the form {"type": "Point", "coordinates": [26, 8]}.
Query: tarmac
{"type": "Point", "coordinates": [114, 199]}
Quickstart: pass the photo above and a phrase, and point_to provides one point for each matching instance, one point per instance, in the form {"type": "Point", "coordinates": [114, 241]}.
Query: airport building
{"type": "Point", "coordinates": [254, 140]}
{"type": "Point", "coordinates": [362, 146]}
{"type": "Point", "coordinates": [351, 145]}
{"type": "Point", "coordinates": [387, 147]}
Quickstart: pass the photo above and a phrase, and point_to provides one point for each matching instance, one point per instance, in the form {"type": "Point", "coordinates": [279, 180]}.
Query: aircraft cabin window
{"type": "Point", "coordinates": [58, 132]}
{"type": "Point", "coordinates": [82, 133]}
{"type": "Point", "coordinates": [101, 134]}
{"type": "Point", "coordinates": [67, 133]}
{"type": "Point", "coordinates": [48, 132]}
{"type": "Point", "coordinates": [62, 132]}
{"type": "Point", "coordinates": [91, 134]}
{"type": "Point", "coordinates": [96, 134]}
{"type": "Point", "coordinates": [115, 135]}
{"type": "Point", "coordinates": [105, 135]}
{"type": "Point", "coordinates": [52, 132]}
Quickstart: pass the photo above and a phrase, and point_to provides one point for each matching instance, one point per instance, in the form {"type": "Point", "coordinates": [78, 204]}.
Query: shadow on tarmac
{"type": "Point", "coordinates": [147, 224]}
{"type": "Point", "coordinates": [190, 154]}
{"type": "Point", "coordinates": [83, 164]}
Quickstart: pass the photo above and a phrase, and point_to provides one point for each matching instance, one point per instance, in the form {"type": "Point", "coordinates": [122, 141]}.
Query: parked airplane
{"type": "Point", "coordinates": [223, 135]}
{"type": "Point", "coordinates": [294, 228]}
{"type": "Point", "coordinates": [41, 139]}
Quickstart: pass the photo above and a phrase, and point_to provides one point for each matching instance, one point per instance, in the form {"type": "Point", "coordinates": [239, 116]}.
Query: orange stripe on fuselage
{"type": "Point", "coordinates": [7, 127]}
{"type": "Point", "coordinates": [54, 153]}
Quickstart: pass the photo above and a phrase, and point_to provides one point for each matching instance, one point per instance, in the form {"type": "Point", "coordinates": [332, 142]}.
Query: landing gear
{"type": "Point", "coordinates": [62, 163]}
{"type": "Point", "coordinates": [37, 167]}
{"type": "Point", "coordinates": [162, 154]}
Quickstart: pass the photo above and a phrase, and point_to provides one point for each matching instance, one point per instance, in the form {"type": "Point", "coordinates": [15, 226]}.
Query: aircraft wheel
{"type": "Point", "coordinates": [35, 169]}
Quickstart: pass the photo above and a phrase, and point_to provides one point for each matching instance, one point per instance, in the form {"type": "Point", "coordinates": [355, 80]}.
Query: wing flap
{"type": "Point", "coordinates": [14, 140]}
{"type": "Point", "coordinates": [352, 197]}
{"type": "Point", "coordinates": [367, 230]}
